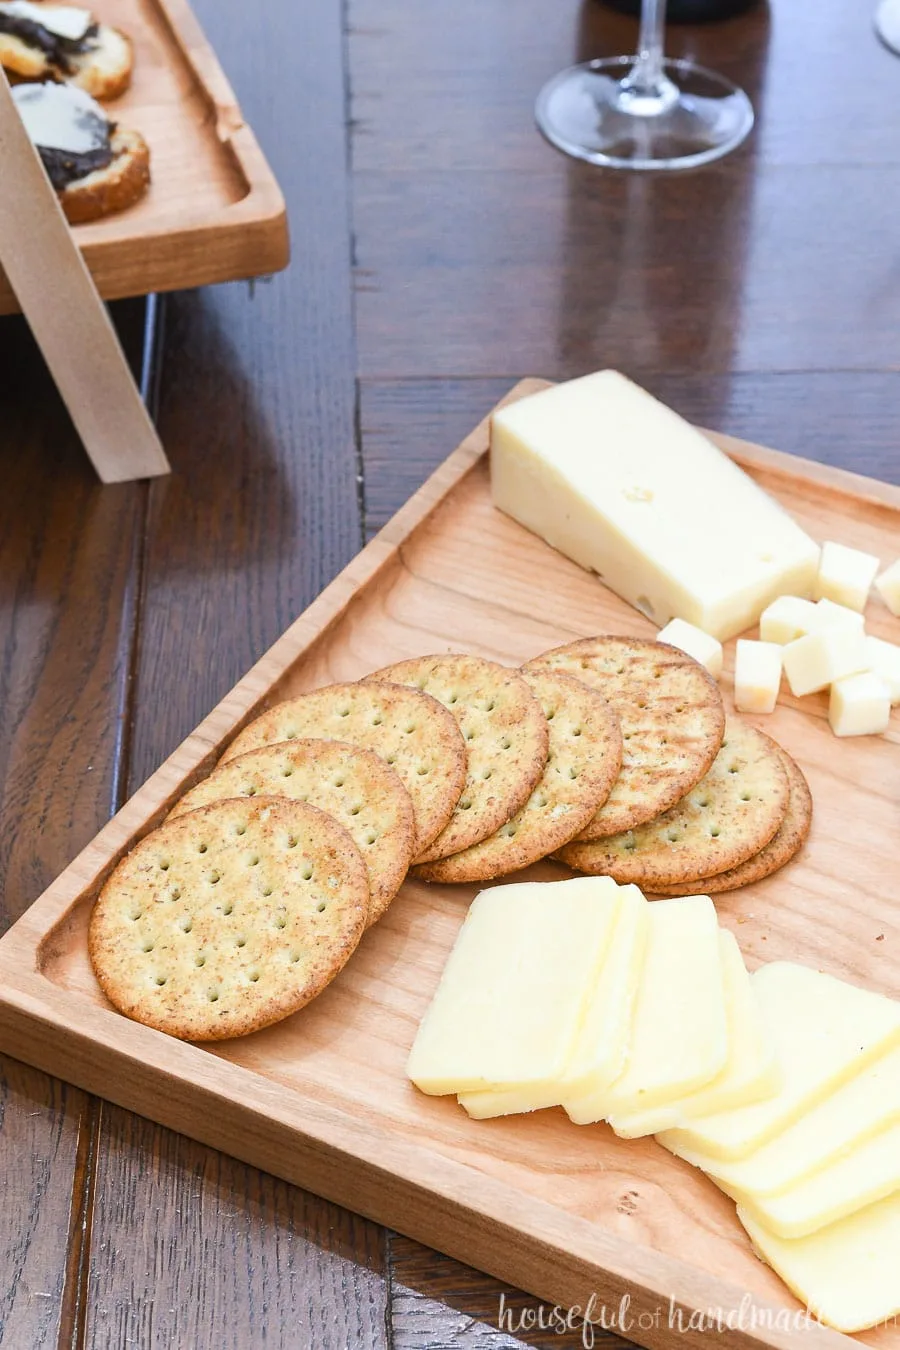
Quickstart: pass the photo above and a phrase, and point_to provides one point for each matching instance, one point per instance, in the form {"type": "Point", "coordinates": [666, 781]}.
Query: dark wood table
{"type": "Point", "coordinates": [441, 251]}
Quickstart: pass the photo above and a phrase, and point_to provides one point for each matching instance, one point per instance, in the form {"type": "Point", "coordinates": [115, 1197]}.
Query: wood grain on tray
{"type": "Point", "coordinates": [322, 1099]}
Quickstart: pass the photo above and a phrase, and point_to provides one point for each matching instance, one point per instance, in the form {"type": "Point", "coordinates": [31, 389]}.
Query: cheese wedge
{"type": "Point", "coordinates": [679, 1040]}
{"type": "Point", "coordinates": [513, 990]}
{"type": "Point", "coordinates": [751, 1071]}
{"type": "Point", "coordinates": [627, 488]}
{"type": "Point", "coordinates": [866, 1174]}
{"type": "Point", "coordinates": [866, 1105]}
{"type": "Point", "coordinates": [600, 1048]}
{"type": "Point", "coordinates": [848, 1274]}
{"type": "Point", "coordinates": [825, 1031]}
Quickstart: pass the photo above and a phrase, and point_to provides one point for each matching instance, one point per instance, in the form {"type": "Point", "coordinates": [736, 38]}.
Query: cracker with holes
{"type": "Point", "coordinates": [583, 762]}
{"type": "Point", "coordinates": [784, 845]}
{"type": "Point", "coordinates": [506, 739]}
{"type": "Point", "coordinates": [354, 785]}
{"type": "Point", "coordinates": [409, 729]}
{"type": "Point", "coordinates": [672, 718]}
{"type": "Point", "coordinates": [229, 918]}
{"type": "Point", "coordinates": [729, 816]}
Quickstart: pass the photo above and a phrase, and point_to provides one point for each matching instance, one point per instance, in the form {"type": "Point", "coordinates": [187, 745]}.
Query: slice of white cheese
{"type": "Point", "coordinates": [751, 1072]}
{"type": "Point", "coordinates": [869, 1172]}
{"type": "Point", "coordinates": [848, 1274]}
{"type": "Point", "coordinates": [825, 1031]}
{"type": "Point", "coordinates": [513, 990]}
{"type": "Point", "coordinates": [627, 488]}
{"type": "Point", "coordinates": [866, 1105]}
{"type": "Point", "coordinates": [679, 1040]}
{"type": "Point", "coordinates": [66, 21]}
{"type": "Point", "coordinates": [600, 1048]}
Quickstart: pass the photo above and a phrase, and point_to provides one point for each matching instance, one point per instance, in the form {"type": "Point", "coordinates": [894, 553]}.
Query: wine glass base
{"type": "Point", "coordinates": [887, 24]}
{"type": "Point", "coordinates": [590, 112]}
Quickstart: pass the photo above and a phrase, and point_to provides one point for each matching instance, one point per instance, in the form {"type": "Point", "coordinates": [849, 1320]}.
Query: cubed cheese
{"type": "Point", "coordinates": [787, 619]}
{"type": "Point", "coordinates": [757, 675]}
{"type": "Point", "coordinates": [830, 615]}
{"type": "Point", "coordinates": [817, 660]}
{"type": "Point", "coordinates": [884, 658]}
{"type": "Point", "coordinates": [845, 575]}
{"type": "Point", "coordinates": [623, 485]}
{"type": "Point", "coordinates": [888, 586]}
{"type": "Point", "coordinates": [701, 646]}
{"type": "Point", "coordinates": [859, 705]}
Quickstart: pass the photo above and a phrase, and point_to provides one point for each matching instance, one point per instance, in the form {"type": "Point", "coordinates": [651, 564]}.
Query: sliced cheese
{"type": "Point", "coordinates": [513, 990]}
{"type": "Point", "coordinates": [848, 1274]}
{"type": "Point", "coordinates": [679, 1040]}
{"type": "Point", "coordinates": [751, 1071]}
{"type": "Point", "coordinates": [627, 488]}
{"type": "Point", "coordinates": [600, 1048]}
{"type": "Point", "coordinates": [866, 1105]}
{"type": "Point", "coordinates": [66, 21]}
{"type": "Point", "coordinates": [825, 1031]}
{"type": "Point", "coordinates": [869, 1172]}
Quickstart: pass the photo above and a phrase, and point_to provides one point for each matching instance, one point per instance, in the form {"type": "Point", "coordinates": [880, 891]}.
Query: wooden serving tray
{"type": "Point", "coordinates": [214, 211]}
{"type": "Point", "coordinates": [567, 1212]}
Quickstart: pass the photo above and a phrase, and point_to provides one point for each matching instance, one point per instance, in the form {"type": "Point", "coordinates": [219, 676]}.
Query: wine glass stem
{"type": "Point", "coordinates": [646, 78]}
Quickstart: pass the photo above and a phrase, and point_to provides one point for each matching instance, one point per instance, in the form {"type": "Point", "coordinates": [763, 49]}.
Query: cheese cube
{"type": "Point", "coordinates": [859, 705]}
{"type": "Point", "coordinates": [679, 1041]}
{"type": "Point", "coordinates": [513, 990]}
{"type": "Point", "coordinates": [601, 1046]}
{"type": "Point", "coordinates": [888, 586]}
{"type": "Point", "coordinates": [786, 619]}
{"type": "Point", "coordinates": [757, 675]}
{"type": "Point", "coordinates": [846, 1274]}
{"type": "Point", "coordinates": [703, 648]}
{"type": "Point", "coordinates": [825, 1031]}
{"type": "Point", "coordinates": [845, 575]}
{"type": "Point", "coordinates": [884, 659]}
{"type": "Point", "coordinates": [817, 660]}
{"type": "Point", "coordinates": [829, 615]}
{"type": "Point", "coordinates": [625, 487]}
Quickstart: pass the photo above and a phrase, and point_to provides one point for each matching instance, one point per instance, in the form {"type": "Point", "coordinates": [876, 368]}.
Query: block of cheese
{"type": "Point", "coordinates": [867, 1104]}
{"type": "Point", "coordinates": [884, 659]}
{"type": "Point", "coordinates": [679, 1039]}
{"type": "Point", "coordinates": [512, 993]}
{"type": "Point", "coordinates": [848, 1274]}
{"type": "Point", "coordinates": [845, 575]}
{"type": "Point", "coordinates": [701, 646]}
{"type": "Point", "coordinates": [627, 488]}
{"type": "Point", "coordinates": [888, 586]}
{"type": "Point", "coordinates": [601, 1045]}
{"type": "Point", "coordinates": [859, 705]}
{"type": "Point", "coordinates": [757, 675]}
{"type": "Point", "coordinates": [817, 660]}
{"type": "Point", "coordinates": [825, 1031]}
{"type": "Point", "coordinates": [869, 1172]}
{"type": "Point", "coordinates": [751, 1071]}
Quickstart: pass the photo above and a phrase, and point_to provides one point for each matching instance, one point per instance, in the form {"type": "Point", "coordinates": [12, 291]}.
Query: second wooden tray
{"type": "Point", "coordinates": [572, 1214]}
{"type": "Point", "coordinates": [214, 211]}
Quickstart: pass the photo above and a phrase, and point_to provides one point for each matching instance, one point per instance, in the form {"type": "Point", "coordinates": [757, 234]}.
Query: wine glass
{"type": "Point", "coordinates": [643, 111]}
{"type": "Point", "coordinates": [887, 24]}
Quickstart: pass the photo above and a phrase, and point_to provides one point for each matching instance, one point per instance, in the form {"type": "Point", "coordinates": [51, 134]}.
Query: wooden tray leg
{"type": "Point", "coordinates": [69, 320]}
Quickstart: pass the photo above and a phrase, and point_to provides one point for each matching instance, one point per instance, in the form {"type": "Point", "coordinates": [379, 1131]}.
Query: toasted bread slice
{"type": "Point", "coordinates": [104, 71]}
{"type": "Point", "coordinates": [120, 184]}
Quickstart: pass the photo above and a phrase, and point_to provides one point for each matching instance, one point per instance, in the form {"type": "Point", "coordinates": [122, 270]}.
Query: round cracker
{"type": "Point", "coordinates": [672, 718]}
{"type": "Point", "coordinates": [583, 762]}
{"type": "Point", "coordinates": [229, 918]}
{"type": "Point", "coordinates": [354, 785]}
{"type": "Point", "coordinates": [730, 815]}
{"type": "Point", "coordinates": [505, 735]}
{"type": "Point", "coordinates": [411, 730]}
{"type": "Point", "coordinates": [784, 845]}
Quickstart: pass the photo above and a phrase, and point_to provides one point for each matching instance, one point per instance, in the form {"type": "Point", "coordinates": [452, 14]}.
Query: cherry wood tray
{"type": "Point", "coordinates": [567, 1212]}
{"type": "Point", "coordinates": [214, 211]}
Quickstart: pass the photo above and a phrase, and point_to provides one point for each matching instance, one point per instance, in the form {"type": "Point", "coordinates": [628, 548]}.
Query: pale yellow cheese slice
{"type": "Point", "coordinates": [751, 1071]}
{"type": "Point", "coordinates": [868, 1173]}
{"type": "Point", "coordinates": [866, 1105]}
{"type": "Point", "coordinates": [825, 1032]}
{"type": "Point", "coordinates": [601, 1045]}
{"type": "Point", "coordinates": [513, 990]}
{"type": "Point", "coordinates": [679, 1041]}
{"type": "Point", "coordinates": [848, 1274]}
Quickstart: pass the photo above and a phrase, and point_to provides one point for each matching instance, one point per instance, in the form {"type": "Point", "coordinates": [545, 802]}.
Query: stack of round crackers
{"type": "Point", "coordinates": [612, 754]}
